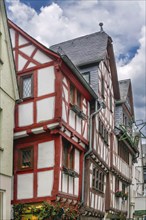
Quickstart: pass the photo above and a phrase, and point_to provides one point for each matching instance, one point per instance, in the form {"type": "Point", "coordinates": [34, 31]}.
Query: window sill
{"type": "Point", "coordinates": [78, 111]}
{"type": "Point", "coordinates": [27, 99]}
{"type": "Point", "coordinates": [70, 172]}
{"type": "Point", "coordinates": [97, 190]}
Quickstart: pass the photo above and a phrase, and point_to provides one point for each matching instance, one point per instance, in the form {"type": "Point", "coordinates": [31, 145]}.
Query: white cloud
{"type": "Point", "coordinates": [123, 20]}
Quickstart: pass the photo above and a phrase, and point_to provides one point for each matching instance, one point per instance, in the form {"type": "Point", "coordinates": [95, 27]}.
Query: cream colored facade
{"type": "Point", "coordinates": [8, 95]}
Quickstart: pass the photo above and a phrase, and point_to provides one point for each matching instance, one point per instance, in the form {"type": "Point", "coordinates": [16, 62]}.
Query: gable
{"type": "Point", "coordinates": [28, 52]}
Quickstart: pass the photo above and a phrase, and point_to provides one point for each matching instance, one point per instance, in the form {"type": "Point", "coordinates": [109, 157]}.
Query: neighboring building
{"type": "Point", "coordinates": [144, 165]}
{"type": "Point", "coordinates": [113, 149]}
{"type": "Point", "coordinates": [138, 198]}
{"type": "Point", "coordinates": [8, 95]}
{"type": "Point", "coordinates": [51, 125]}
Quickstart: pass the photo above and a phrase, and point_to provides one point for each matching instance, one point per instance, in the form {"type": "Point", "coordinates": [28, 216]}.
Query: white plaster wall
{"type": "Point", "coordinates": [46, 81]}
{"type": "Point", "coordinates": [77, 160]}
{"type": "Point", "coordinates": [78, 125]}
{"type": "Point", "coordinates": [22, 40]}
{"type": "Point", "coordinates": [65, 93]}
{"type": "Point", "coordinates": [76, 191]}
{"type": "Point", "coordinates": [70, 185]}
{"type": "Point", "coordinates": [45, 109]}
{"type": "Point", "coordinates": [21, 62]}
{"type": "Point", "coordinates": [25, 186]}
{"type": "Point", "coordinates": [64, 182]}
{"type": "Point", "coordinates": [64, 112]}
{"type": "Point", "coordinates": [46, 154]}
{"type": "Point", "coordinates": [45, 183]}
{"type": "Point", "coordinates": [28, 49]}
{"type": "Point", "coordinates": [85, 135]}
{"type": "Point", "coordinates": [65, 81]}
{"type": "Point", "coordinates": [41, 57]}
{"type": "Point", "coordinates": [25, 112]}
{"type": "Point", "coordinates": [72, 119]}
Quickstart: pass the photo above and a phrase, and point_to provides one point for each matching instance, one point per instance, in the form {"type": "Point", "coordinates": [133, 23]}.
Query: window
{"type": "Point", "coordinates": [79, 99]}
{"type": "Point", "coordinates": [123, 188]}
{"type": "Point", "coordinates": [86, 76]}
{"type": "Point", "coordinates": [116, 184]}
{"type": "Point", "coordinates": [75, 96]}
{"type": "Point", "coordinates": [1, 62]}
{"type": "Point", "coordinates": [144, 173]}
{"type": "Point", "coordinates": [111, 107]}
{"type": "Point", "coordinates": [72, 94]}
{"type": "Point", "coordinates": [98, 180]}
{"type": "Point", "coordinates": [102, 131]}
{"type": "Point", "coordinates": [68, 155]}
{"type": "Point", "coordinates": [102, 86]}
{"type": "Point", "coordinates": [123, 151]}
{"type": "Point", "coordinates": [27, 86]}
{"type": "Point", "coordinates": [26, 158]}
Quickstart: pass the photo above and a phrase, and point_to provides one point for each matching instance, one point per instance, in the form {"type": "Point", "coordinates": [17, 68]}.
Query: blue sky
{"type": "Point", "coordinates": [51, 22]}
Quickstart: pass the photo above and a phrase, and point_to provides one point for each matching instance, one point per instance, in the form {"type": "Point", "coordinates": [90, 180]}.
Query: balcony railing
{"type": "Point", "coordinates": [122, 166]}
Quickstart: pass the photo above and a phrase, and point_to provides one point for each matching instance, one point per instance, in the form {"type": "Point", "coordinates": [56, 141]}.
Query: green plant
{"type": "Point", "coordinates": [118, 193]}
{"type": "Point", "coordinates": [18, 210]}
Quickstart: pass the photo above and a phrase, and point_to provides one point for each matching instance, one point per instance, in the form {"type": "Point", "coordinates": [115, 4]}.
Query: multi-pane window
{"type": "Point", "coordinates": [26, 158]}
{"type": "Point", "coordinates": [116, 184]}
{"type": "Point", "coordinates": [103, 131]}
{"type": "Point", "coordinates": [68, 155]}
{"type": "Point", "coordinates": [98, 179]}
{"type": "Point", "coordinates": [27, 86]}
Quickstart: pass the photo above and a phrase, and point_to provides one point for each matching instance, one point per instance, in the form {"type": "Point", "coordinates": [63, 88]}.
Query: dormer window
{"type": "Point", "coordinates": [27, 86]}
{"type": "Point", "coordinates": [86, 76]}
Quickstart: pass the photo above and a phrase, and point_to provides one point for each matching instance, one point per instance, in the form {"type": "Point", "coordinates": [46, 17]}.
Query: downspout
{"type": "Point", "coordinates": [102, 106]}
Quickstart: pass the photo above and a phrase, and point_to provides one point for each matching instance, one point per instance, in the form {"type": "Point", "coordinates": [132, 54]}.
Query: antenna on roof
{"type": "Point", "coordinates": [101, 28]}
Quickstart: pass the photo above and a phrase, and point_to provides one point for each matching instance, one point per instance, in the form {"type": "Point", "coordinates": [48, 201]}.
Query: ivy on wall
{"type": "Point", "coordinates": [45, 211]}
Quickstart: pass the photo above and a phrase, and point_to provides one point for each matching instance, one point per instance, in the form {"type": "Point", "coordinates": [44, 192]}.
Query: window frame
{"type": "Point", "coordinates": [20, 159]}
{"type": "Point", "coordinates": [74, 95]}
{"type": "Point", "coordinates": [68, 155]}
{"type": "Point", "coordinates": [22, 78]}
{"type": "Point", "coordinates": [98, 177]}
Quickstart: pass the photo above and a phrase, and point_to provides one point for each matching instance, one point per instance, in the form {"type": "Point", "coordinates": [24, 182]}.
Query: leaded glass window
{"type": "Point", "coordinates": [26, 158]}
{"type": "Point", "coordinates": [27, 84]}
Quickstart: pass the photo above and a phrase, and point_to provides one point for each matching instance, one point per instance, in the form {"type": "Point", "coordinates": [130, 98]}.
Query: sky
{"type": "Point", "coordinates": [52, 22]}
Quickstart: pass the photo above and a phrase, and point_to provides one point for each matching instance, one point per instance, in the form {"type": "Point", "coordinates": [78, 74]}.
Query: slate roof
{"type": "Point", "coordinates": [84, 50]}
{"type": "Point", "coordinates": [124, 87]}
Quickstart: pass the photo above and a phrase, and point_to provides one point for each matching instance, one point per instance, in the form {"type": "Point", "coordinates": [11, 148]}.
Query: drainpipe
{"type": "Point", "coordinates": [102, 106]}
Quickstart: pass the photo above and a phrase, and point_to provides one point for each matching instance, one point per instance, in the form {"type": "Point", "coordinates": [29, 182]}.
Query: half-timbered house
{"type": "Point", "coordinates": [51, 125]}
{"type": "Point", "coordinates": [109, 161]}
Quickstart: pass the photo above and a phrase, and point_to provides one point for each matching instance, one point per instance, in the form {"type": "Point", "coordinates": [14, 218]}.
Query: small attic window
{"type": "Point", "coordinates": [86, 76]}
{"type": "Point", "coordinates": [26, 86]}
